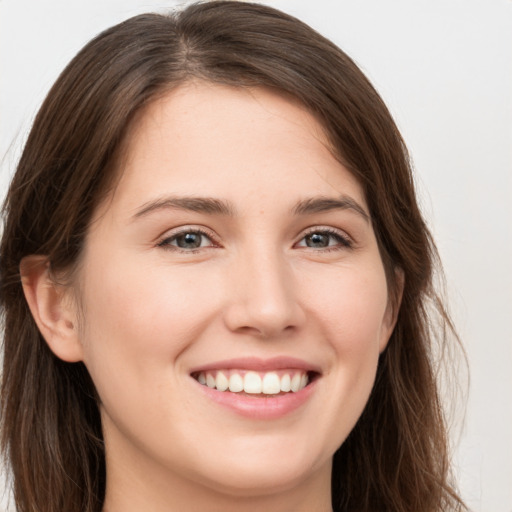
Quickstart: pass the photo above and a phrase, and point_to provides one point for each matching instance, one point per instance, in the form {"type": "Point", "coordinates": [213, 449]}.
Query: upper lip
{"type": "Point", "coordinates": [259, 364]}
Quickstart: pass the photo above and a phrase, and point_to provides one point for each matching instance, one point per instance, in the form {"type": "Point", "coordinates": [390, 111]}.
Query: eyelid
{"type": "Point", "coordinates": [347, 241]}
{"type": "Point", "coordinates": [192, 228]}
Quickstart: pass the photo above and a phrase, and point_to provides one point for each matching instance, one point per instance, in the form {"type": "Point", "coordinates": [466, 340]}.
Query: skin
{"type": "Point", "coordinates": [151, 312]}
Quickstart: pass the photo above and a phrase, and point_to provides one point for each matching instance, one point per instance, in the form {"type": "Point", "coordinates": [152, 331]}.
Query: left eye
{"type": "Point", "coordinates": [187, 240]}
{"type": "Point", "coordinates": [323, 240]}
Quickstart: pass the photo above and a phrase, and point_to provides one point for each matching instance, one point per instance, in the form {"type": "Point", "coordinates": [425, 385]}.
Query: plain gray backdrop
{"type": "Point", "coordinates": [444, 67]}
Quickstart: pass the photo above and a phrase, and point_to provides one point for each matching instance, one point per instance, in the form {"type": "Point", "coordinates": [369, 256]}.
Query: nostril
{"type": "Point", "coordinates": [266, 331]}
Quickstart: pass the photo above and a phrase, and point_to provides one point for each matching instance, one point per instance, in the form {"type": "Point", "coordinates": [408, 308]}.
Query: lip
{"type": "Point", "coordinates": [259, 365]}
{"type": "Point", "coordinates": [259, 407]}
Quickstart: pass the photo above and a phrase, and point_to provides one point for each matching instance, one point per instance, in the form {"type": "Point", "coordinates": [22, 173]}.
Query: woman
{"type": "Point", "coordinates": [216, 282]}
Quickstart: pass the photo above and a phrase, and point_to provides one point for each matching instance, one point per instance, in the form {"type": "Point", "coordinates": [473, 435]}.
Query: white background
{"type": "Point", "coordinates": [445, 69]}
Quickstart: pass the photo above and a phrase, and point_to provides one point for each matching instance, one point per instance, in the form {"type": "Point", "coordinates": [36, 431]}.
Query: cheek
{"type": "Point", "coordinates": [139, 320]}
{"type": "Point", "coordinates": [352, 313]}
{"type": "Point", "coordinates": [351, 305]}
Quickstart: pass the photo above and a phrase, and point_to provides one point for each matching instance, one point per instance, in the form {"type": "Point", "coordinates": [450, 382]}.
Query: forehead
{"type": "Point", "coordinates": [210, 139]}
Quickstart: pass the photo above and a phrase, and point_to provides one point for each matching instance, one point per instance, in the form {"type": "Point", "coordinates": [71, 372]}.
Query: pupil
{"type": "Point", "coordinates": [317, 240]}
{"type": "Point", "coordinates": [189, 241]}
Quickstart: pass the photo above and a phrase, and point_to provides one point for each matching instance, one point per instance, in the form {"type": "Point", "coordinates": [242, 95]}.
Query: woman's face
{"type": "Point", "coordinates": [234, 300]}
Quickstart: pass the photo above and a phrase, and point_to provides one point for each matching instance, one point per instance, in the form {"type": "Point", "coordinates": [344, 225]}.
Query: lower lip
{"type": "Point", "coordinates": [260, 407]}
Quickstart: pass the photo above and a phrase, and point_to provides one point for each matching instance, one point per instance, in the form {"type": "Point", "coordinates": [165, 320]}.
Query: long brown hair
{"type": "Point", "coordinates": [396, 458]}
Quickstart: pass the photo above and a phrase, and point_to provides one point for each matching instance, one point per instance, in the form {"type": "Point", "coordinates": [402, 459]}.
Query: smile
{"type": "Point", "coordinates": [259, 389]}
{"type": "Point", "coordinates": [254, 383]}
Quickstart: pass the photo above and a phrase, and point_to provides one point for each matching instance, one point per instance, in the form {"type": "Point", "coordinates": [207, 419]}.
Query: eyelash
{"type": "Point", "coordinates": [343, 241]}
{"type": "Point", "coordinates": [166, 242]}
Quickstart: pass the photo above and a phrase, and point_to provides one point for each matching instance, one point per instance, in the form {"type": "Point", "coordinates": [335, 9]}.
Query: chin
{"type": "Point", "coordinates": [268, 472]}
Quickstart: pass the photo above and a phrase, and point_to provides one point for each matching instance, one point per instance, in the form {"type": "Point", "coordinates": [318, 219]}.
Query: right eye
{"type": "Point", "coordinates": [187, 240]}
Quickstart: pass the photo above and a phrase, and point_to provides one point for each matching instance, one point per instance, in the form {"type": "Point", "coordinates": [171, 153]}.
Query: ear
{"type": "Point", "coordinates": [392, 309]}
{"type": "Point", "coordinates": [52, 308]}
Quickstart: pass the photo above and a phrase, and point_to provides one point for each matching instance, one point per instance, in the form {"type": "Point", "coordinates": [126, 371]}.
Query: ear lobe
{"type": "Point", "coordinates": [51, 307]}
{"type": "Point", "coordinates": [392, 309]}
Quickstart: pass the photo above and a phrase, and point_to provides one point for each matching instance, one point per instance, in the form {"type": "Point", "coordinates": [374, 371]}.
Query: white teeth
{"type": "Point", "coordinates": [254, 383]}
{"type": "Point", "coordinates": [295, 384]}
{"type": "Point", "coordinates": [271, 384]}
{"type": "Point", "coordinates": [236, 383]}
{"type": "Point", "coordinates": [221, 382]}
{"type": "Point", "coordinates": [286, 383]}
{"type": "Point", "coordinates": [210, 380]}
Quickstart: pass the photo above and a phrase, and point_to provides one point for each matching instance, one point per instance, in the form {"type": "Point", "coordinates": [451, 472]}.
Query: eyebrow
{"type": "Point", "coordinates": [208, 205]}
{"type": "Point", "coordinates": [325, 204]}
{"type": "Point", "coordinates": [211, 205]}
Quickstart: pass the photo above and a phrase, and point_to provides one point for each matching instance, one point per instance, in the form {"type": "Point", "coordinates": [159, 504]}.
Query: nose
{"type": "Point", "coordinates": [263, 298]}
